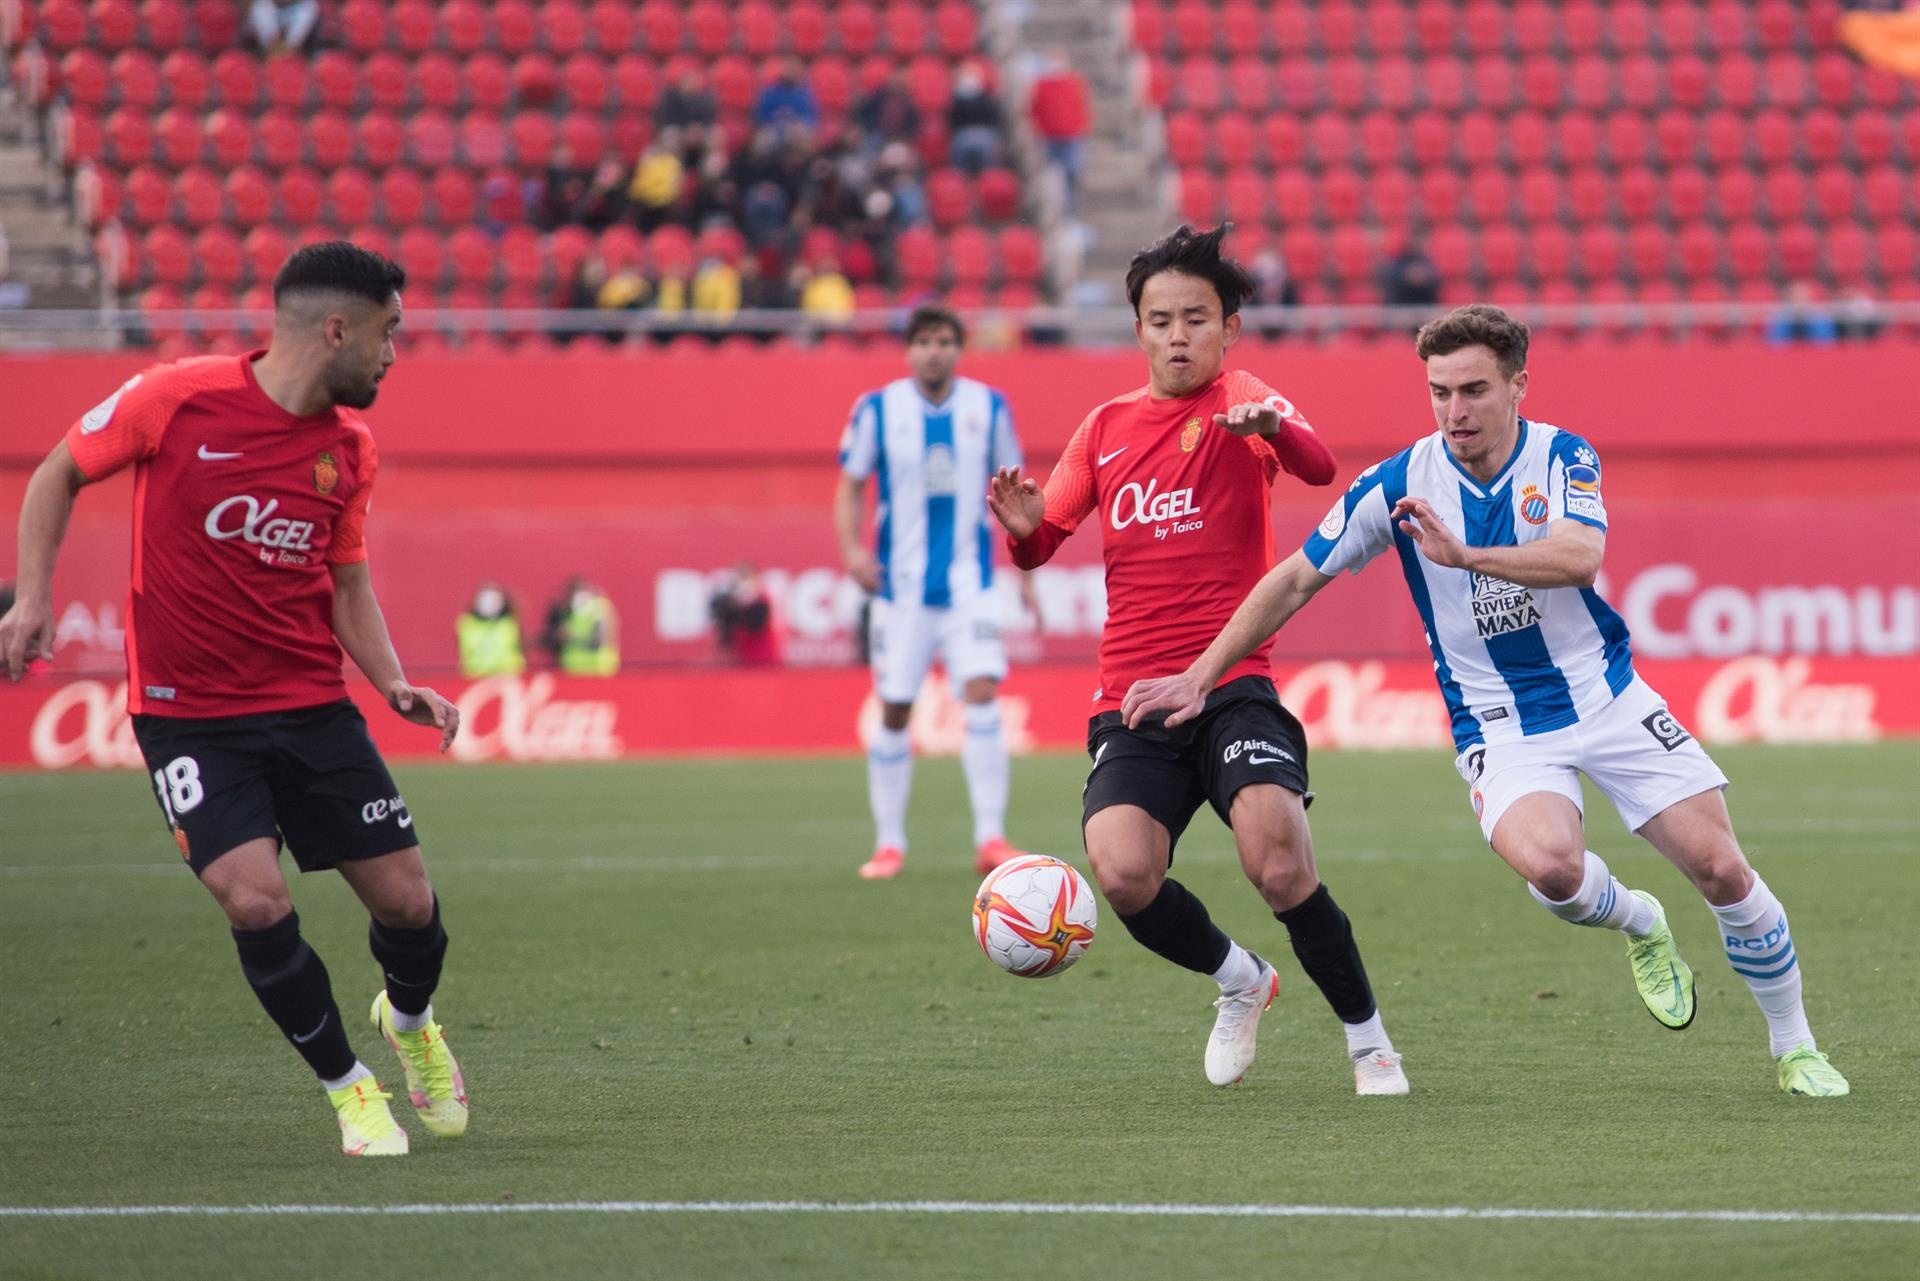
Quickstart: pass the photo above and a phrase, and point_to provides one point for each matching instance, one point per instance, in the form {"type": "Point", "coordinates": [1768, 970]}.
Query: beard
{"type": "Point", "coordinates": [351, 391]}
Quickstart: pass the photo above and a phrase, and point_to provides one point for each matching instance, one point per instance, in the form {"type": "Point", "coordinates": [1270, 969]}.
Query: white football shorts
{"type": "Point", "coordinates": [1635, 752]}
{"type": "Point", "coordinates": [905, 636]}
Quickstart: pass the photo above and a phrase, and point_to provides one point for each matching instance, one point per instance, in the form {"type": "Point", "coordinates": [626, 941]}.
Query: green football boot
{"type": "Point", "coordinates": [1665, 981]}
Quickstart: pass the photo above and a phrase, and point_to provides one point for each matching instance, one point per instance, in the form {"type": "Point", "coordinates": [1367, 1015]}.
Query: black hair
{"type": "Point", "coordinates": [338, 266]}
{"type": "Point", "coordinates": [933, 315]}
{"type": "Point", "coordinates": [1191, 253]}
{"type": "Point", "coordinates": [1476, 325]}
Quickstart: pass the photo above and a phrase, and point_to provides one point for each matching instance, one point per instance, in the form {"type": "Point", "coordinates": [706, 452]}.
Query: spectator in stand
{"type": "Point", "coordinates": [1860, 318]}
{"type": "Point", "coordinates": [975, 123]}
{"type": "Point", "coordinates": [744, 622]}
{"type": "Point", "coordinates": [1410, 279]}
{"type": "Point", "coordinates": [283, 26]}
{"type": "Point", "coordinates": [889, 114]}
{"type": "Point", "coordinates": [716, 291]}
{"type": "Point", "coordinates": [687, 107]}
{"type": "Point", "coordinates": [604, 202]}
{"type": "Point", "coordinates": [582, 634]}
{"type": "Point", "coordinates": [825, 293]}
{"type": "Point", "coordinates": [564, 186]}
{"type": "Point", "coordinates": [786, 103]}
{"type": "Point", "coordinates": [1272, 287]}
{"type": "Point", "coordinates": [489, 635]}
{"type": "Point", "coordinates": [657, 180]}
{"type": "Point", "coordinates": [1803, 318]}
{"type": "Point", "coordinates": [898, 176]}
{"type": "Point", "coordinates": [1062, 114]}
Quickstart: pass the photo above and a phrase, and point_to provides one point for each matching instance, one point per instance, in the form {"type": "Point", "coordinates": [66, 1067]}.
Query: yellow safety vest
{"type": "Point", "coordinates": [489, 646]}
{"type": "Point", "coordinates": [578, 654]}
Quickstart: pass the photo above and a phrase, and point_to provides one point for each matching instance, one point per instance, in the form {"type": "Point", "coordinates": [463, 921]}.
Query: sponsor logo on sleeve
{"type": "Point", "coordinates": [1583, 490]}
{"type": "Point", "coordinates": [102, 414]}
{"type": "Point", "coordinates": [1335, 523]}
{"type": "Point", "coordinates": [1666, 731]}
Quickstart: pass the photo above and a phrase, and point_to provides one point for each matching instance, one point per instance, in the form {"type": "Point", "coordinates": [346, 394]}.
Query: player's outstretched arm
{"type": "Point", "coordinates": [1274, 599]}
{"type": "Point", "coordinates": [26, 632]}
{"type": "Point", "coordinates": [1569, 556]}
{"type": "Point", "coordinates": [362, 632]}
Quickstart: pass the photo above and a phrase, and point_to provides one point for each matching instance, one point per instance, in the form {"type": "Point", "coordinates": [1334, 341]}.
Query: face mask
{"type": "Point", "coordinates": [582, 599]}
{"type": "Point", "coordinates": [489, 604]}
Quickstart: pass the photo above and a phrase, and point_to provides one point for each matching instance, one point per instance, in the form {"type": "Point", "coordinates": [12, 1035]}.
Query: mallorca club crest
{"type": "Point", "coordinates": [1533, 505]}
{"type": "Point", "coordinates": [326, 473]}
{"type": "Point", "coordinates": [1190, 436]}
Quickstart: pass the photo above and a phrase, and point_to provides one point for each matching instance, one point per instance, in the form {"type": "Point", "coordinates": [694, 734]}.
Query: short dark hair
{"type": "Point", "coordinates": [1191, 253]}
{"type": "Point", "coordinates": [1478, 324]}
{"type": "Point", "coordinates": [339, 266]}
{"type": "Point", "coordinates": [932, 315]}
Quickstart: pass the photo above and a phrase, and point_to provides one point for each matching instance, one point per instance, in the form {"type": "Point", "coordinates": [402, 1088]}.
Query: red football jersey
{"type": "Point", "coordinates": [1186, 527]}
{"type": "Point", "coordinates": [239, 507]}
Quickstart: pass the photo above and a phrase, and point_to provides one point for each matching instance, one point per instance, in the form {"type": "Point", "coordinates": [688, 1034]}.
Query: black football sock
{"type": "Point", "coordinates": [1323, 941]}
{"type": "Point", "coordinates": [1176, 925]}
{"type": "Point", "coordinates": [292, 985]}
{"type": "Point", "coordinates": [410, 960]}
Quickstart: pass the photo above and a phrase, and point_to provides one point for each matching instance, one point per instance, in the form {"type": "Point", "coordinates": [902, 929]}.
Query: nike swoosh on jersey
{"type": "Point", "coordinates": [405, 820]}
{"type": "Point", "coordinates": [1107, 458]}
{"type": "Point", "coordinates": [212, 457]}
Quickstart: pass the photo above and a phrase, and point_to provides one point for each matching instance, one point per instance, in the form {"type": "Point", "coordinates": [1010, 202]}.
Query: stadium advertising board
{"type": "Point", "coordinates": [74, 723]}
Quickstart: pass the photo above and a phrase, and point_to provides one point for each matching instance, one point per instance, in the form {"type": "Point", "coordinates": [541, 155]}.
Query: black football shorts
{"type": "Point", "coordinates": [310, 777]}
{"type": "Point", "coordinates": [1244, 735]}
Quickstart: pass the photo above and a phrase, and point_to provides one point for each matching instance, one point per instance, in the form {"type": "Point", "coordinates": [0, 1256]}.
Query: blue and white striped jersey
{"type": "Point", "coordinates": [1511, 660]}
{"type": "Point", "coordinates": [932, 464]}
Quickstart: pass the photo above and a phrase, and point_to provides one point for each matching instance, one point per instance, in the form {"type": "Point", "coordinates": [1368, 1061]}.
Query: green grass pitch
{"type": "Point", "coordinates": [666, 984]}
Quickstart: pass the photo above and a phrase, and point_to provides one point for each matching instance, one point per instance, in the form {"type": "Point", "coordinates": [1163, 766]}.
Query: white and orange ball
{"type": "Point", "coordinates": [1034, 916]}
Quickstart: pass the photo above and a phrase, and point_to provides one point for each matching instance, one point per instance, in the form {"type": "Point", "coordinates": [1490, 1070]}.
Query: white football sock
{"type": "Point", "coordinates": [1602, 901]}
{"type": "Point", "coordinates": [404, 1022]}
{"type": "Point", "coordinates": [1760, 949]}
{"type": "Point", "coordinates": [1240, 971]}
{"type": "Point", "coordinates": [984, 758]}
{"type": "Point", "coordinates": [889, 779]}
{"type": "Point", "coordinates": [358, 1072]}
{"type": "Point", "coordinates": [1371, 1035]}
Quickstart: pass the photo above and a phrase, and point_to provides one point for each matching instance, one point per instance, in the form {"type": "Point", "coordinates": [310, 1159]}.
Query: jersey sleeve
{"type": "Point", "coordinates": [126, 427]}
{"type": "Point", "coordinates": [1573, 482]}
{"type": "Point", "coordinates": [1358, 527]}
{"type": "Point", "coordinates": [1069, 495]}
{"type": "Point", "coordinates": [1297, 447]}
{"type": "Point", "coordinates": [349, 546]}
{"type": "Point", "coordinates": [860, 442]}
{"type": "Point", "coordinates": [1006, 445]}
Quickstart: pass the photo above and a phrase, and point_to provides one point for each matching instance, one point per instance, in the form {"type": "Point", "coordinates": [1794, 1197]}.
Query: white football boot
{"type": "Point", "coordinates": [1230, 1048]}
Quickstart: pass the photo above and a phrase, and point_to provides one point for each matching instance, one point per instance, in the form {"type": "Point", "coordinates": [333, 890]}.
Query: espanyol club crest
{"type": "Point", "coordinates": [326, 473]}
{"type": "Point", "coordinates": [1533, 505]}
{"type": "Point", "coordinates": [1190, 436]}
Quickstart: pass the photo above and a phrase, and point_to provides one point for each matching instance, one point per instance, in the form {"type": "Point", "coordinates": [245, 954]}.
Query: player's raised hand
{"type": "Point", "coordinates": [1420, 522]}
{"type": "Point", "coordinates": [424, 706]}
{"type": "Point", "coordinates": [1017, 501]}
{"type": "Point", "coordinates": [1180, 697]}
{"type": "Point", "coordinates": [26, 633]}
{"type": "Point", "coordinates": [1249, 418]}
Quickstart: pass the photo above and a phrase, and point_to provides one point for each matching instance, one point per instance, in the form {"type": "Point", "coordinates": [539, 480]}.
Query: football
{"type": "Point", "coordinates": [1034, 916]}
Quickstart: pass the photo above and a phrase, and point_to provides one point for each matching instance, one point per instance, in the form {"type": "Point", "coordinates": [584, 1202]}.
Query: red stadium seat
{"type": "Point", "coordinates": [956, 28]}
{"type": "Point", "coordinates": [1836, 195]}
{"type": "Point", "coordinates": [1896, 251]}
{"type": "Point", "coordinates": [1391, 194]}
{"type": "Point", "coordinates": [420, 252]}
{"type": "Point", "coordinates": [412, 27]}
{"type": "Point", "coordinates": [430, 139]}
{"type": "Point", "coordinates": [198, 195]}
{"type": "Point", "coordinates": [300, 195]}
{"type": "Point", "coordinates": [733, 85]}
{"type": "Point", "coordinates": [288, 81]}
{"type": "Point", "coordinates": [1786, 193]}
{"type": "Point", "coordinates": [185, 78]}
{"type": "Point", "coordinates": [489, 82]}
{"type": "Point", "coordinates": [455, 199]}
{"type": "Point", "coordinates": [1799, 246]}
{"type": "Point", "coordinates": [530, 139]}
{"type": "Point", "coordinates": [135, 78]}
{"type": "Point", "coordinates": [1283, 140]}
{"type": "Point", "coordinates": [1629, 141]}
{"type": "Point", "coordinates": [1686, 195]}
{"type": "Point", "coordinates": [1726, 137]}
{"type": "Point", "coordinates": [635, 82]}
{"type": "Point", "coordinates": [1649, 251]}
{"type": "Point", "coordinates": [949, 197]}
{"type": "Point", "coordinates": [250, 196]}
{"type": "Point", "coordinates": [350, 195]}
{"type": "Point", "coordinates": [481, 142]}
{"type": "Point", "coordinates": [128, 138]}
{"type": "Point", "coordinates": [1602, 253]}
{"type": "Point", "coordinates": [969, 256]}
{"type": "Point", "coordinates": [1021, 255]}
{"type": "Point", "coordinates": [403, 197]}
{"type": "Point", "coordinates": [382, 140]}
{"type": "Point", "coordinates": [228, 136]}
{"type": "Point", "coordinates": [464, 25]}
{"type": "Point", "coordinates": [709, 27]}
{"type": "Point", "coordinates": [216, 252]}
{"type": "Point", "coordinates": [1872, 138]}
{"type": "Point", "coordinates": [858, 26]}
{"type": "Point", "coordinates": [336, 80]}
{"type": "Point", "coordinates": [147, 196]}
{"type": "Point", "coordinates": [660, 32]}
{"type": "Point", "coordinates": [85, 79]}
{"type": "Point", "coordinates": [470, 253]}
{"type": "Point", "coordinates": [1883, 194]}
{"type": "Point", "coordinates": [1698, 247]}
{"type": "Point", "coordinates": [999, 192]}
{"type": "Point", "coordinates": [610, 24]}
{"type": "Point", "coordinates": [1823, 137]}
{"type": "Point", "coordinates": [264, 249]}
{"type": "Point", "coordinates": [436, 81]}
{"type": "Point", "coordinates": [331, 137]}
{"type": "Point", "coordinates": [181, 139]}
{"type": "Point", "coordinates": [1549, 251]}
{"type": "Point", "coordinates": [389, 81]}
{"type": "Point", "coordinates": [116, 24]}
{"type": "Point", "coordinates": [280, 136]}
{"type": "Point", "coordinates": [564, 26]}
{"type": "Point", "coordinates": [1736, 195]}
{"type": "Point", "coordinates": [167, 254]}
{"type": "Point", "coordinates": [364, 25]}
{"type": "Point", "coordinates": [516, 27]}
{"type": "Point", "coordinates": [85, 139]}
{"type": "Point", "coordinates": [904, 25]}
{"type": "Point", "coordinates": [1501, 251]}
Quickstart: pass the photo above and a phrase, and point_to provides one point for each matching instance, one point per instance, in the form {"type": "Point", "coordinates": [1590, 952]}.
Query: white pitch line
{"type": "Point", "coordinates": [1147, 1210]}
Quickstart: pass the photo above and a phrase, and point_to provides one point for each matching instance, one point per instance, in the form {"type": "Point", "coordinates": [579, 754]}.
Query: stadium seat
{"type": "Point", "coordinates": [430, 139]}
{"type": "Point", "coordinates": [301, 195]}
{"type": "Point", "coordinates": [389, 81]}
{"type": "Point", "coordinates": [331, 139]}
{"type": "Point", "coordinates": [564, 27]}
{"type": "Point", "coordinates": [217, 256]}
{"type": "Point", "coordinates": [198, 196]}
{"type": "Point", "coordinates": [949, 198]}
{"type": "Point", "coordinates": [264, 249]}
{"type": "Point", "coordinates": [250, 196]}
{"type": "Point", "coordinates": [363, 24]}
{"type": "Point", "coordinates": [516, 27]}
{"type": "Point", "coordinates": [464, 27]}
{"type": "Point", "coordinates": [402, 196]}
{"type": "Point", "coordinates": [350, 195]}
{"type": "Point", "coordinates": [382, 140]}
{"type": "Point", "coordinates": [999, 194]}
{"type": "Point", "coordinates": [84, 139]}
{"type": "Point", "coordinates": [166, 252]}
{"type": "Point", "coordinates": [455, 198]}
{"type": "Point", "coordinates": [127, 138]}
{"type": "Point", "coordinates": [181, 139]}
{"type": "Point", "coordinates": [134, 78]}
{"type": "Point", "coordinates": [279, 137]}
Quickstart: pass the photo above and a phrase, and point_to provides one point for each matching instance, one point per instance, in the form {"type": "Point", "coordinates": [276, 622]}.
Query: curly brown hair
{"type": "Point", "coordinates": [1476, 325]}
